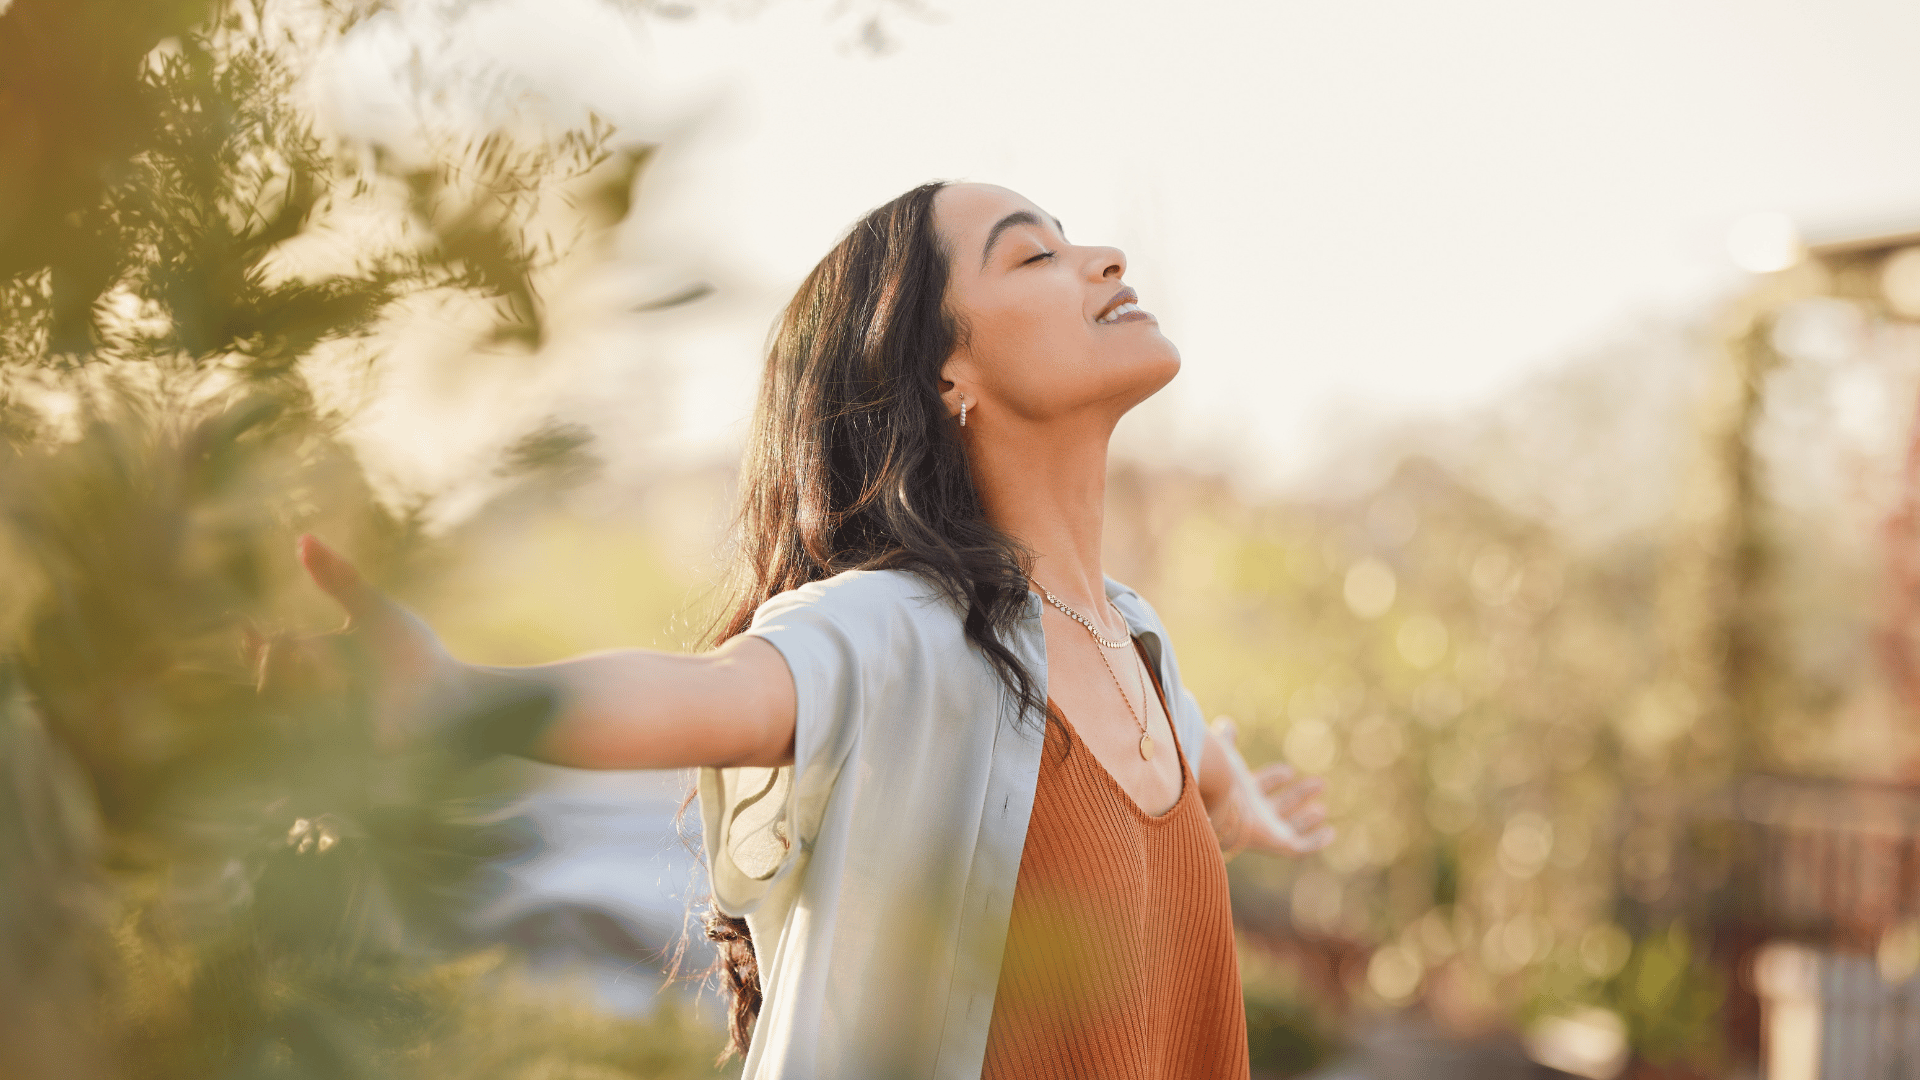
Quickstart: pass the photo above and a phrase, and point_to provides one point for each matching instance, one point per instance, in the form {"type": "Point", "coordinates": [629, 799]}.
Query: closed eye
{"type": "Point", "coordinates": [1042, 255]}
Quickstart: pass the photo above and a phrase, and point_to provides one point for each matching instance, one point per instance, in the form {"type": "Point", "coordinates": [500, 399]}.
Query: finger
{"type": "Point", "coordinates": [1282, 837]}
{"type": "Point", "coordinates": [1315, 840]}
{"type": "Point", "coordinates": [1272, 775]}
{"type": "Point", "coordinates": [1295, 795]}
{"type": "Point", "coordinates": [335, 575]}
{"type": "Point", "coordinates": [1306, 820]}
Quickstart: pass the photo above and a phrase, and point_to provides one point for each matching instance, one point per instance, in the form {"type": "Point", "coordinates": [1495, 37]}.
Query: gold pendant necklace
{"type": "Point", "coordinates": [1146, 740]}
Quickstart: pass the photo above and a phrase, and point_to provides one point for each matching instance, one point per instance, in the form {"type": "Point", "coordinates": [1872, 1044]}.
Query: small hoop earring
{"type": "Point", "coordinates": [963, 410]}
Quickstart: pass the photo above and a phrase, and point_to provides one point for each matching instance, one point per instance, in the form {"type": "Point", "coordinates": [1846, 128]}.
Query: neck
{"type": "Point", "coordinates": [1046, 487]}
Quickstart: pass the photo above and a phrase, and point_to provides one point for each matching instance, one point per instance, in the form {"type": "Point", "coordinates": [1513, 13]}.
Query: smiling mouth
{"type": "Point", "coordinates": [1124, 307]}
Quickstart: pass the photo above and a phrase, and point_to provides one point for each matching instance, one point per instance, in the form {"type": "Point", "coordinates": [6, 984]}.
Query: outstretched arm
{"type": "Point", "coordinates": [639, 709]}
{"type": "Point", "coordinates": [623, 709]}
{"type": "Point", "coordinates": [1273, 810]}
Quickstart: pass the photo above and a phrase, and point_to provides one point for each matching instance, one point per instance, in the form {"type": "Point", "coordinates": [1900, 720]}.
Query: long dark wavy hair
{"type": "Point", "coordinates": [855, 464]}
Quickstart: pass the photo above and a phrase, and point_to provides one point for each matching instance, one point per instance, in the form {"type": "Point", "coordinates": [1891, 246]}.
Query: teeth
{"type": "Point", "coordinates": [1124, 309]}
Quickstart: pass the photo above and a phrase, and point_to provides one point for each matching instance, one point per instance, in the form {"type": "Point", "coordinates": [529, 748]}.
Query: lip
{"type": "Point", "coordinates": [1125, 296]}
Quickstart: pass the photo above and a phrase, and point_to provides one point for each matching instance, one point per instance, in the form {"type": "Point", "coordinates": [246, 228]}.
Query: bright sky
{"type": "Point", "coordinates": [1383, 206]}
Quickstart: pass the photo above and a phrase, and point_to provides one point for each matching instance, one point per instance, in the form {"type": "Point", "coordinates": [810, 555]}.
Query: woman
{"type": "Point", "coordinates": [949, 777]}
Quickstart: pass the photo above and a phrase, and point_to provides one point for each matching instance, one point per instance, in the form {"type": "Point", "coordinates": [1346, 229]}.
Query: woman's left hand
{"type": "Point", "coordinates": [1274, 810]}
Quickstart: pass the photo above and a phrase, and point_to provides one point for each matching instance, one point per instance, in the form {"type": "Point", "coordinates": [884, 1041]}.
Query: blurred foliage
{"type": "Point", "coordinates": [1486, 701]}
{"type": "Point", "coordinates": [205, 868]}
{"type": "Point", "coordinates": [1531, 731]}
{"type": "Point", "coordinates": [1461, 677]}
{"type": "Point", "coordinates": [1290, 1029]}
{"type": "Point", "coordinates": [167, 202]}
{"type": "Point", "coordinates": [1667, 998]}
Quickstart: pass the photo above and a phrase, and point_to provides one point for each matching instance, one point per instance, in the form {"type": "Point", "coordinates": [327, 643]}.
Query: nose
{"type": "Point", "coordinates": [1107, 263]}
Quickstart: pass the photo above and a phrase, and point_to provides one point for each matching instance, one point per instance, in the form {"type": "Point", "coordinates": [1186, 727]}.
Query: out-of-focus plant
{"type": "Point", "coordinates": [205, 867]}
{"type": "Point", "coordinates": [1667, 997]}
{"type": "Point", "coordinates": [1291, 1029]}
{"type": "Point", "coordinates": [1518, 740]}
{"type": "Point", "coordinates": [1460, 676]}
{"type": "Point", "coordinates": [1532, 725]}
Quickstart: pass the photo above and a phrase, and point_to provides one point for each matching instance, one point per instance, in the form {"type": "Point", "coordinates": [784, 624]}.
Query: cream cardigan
{"type": "Point", "coordinates": [877, 871]}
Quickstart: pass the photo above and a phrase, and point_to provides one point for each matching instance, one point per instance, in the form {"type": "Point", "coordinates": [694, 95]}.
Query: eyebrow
{"type": "Point", "coordinates": [1018, 217]}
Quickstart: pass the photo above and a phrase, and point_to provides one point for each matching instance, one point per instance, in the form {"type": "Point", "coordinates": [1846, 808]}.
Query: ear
{"type": "Point", "coordinates": [958, 378]}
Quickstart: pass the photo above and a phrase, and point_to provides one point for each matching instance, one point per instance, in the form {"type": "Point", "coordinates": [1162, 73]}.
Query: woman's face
{"type": "Point", "coordinates": [1051, 329]}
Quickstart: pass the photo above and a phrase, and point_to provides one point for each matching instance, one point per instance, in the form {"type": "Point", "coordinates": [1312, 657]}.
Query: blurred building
{"type": "Point", "coordinates": [1827, 876]}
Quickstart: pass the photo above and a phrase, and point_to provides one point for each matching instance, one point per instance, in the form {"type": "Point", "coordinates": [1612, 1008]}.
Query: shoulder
{"type": "Point", "coordinates": [866, 639]}
{"type": "Point", "coordinates": [863, 598]}
{"type": "Point", "coordinates": [1134, 608]}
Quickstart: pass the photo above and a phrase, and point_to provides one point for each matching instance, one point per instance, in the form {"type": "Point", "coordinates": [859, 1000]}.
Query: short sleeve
{"type": "Point", "coordinates": [760, 823]}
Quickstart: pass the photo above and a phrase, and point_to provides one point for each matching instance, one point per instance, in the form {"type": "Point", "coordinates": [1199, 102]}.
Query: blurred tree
{"type": "Point", "coordinates": [1481, 686]}
{"type": "Point", "coordinates": [204, 867]}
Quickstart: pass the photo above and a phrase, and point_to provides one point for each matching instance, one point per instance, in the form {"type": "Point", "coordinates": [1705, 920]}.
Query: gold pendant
{"type": "Point", "coordinates": [1146, 747]}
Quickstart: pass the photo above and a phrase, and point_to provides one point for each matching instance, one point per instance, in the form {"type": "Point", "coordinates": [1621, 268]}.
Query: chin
{"type": "Point", "coordinates": [1148, 375]}
{"type": "Point", "coordinates": [1167, 363]}
{"type": "Point", "coordinates": [1167, 371]}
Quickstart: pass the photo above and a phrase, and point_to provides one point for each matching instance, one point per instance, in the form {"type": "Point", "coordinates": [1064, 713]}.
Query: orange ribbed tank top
{"type": "Point", "coordinates": [1120, 962]}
